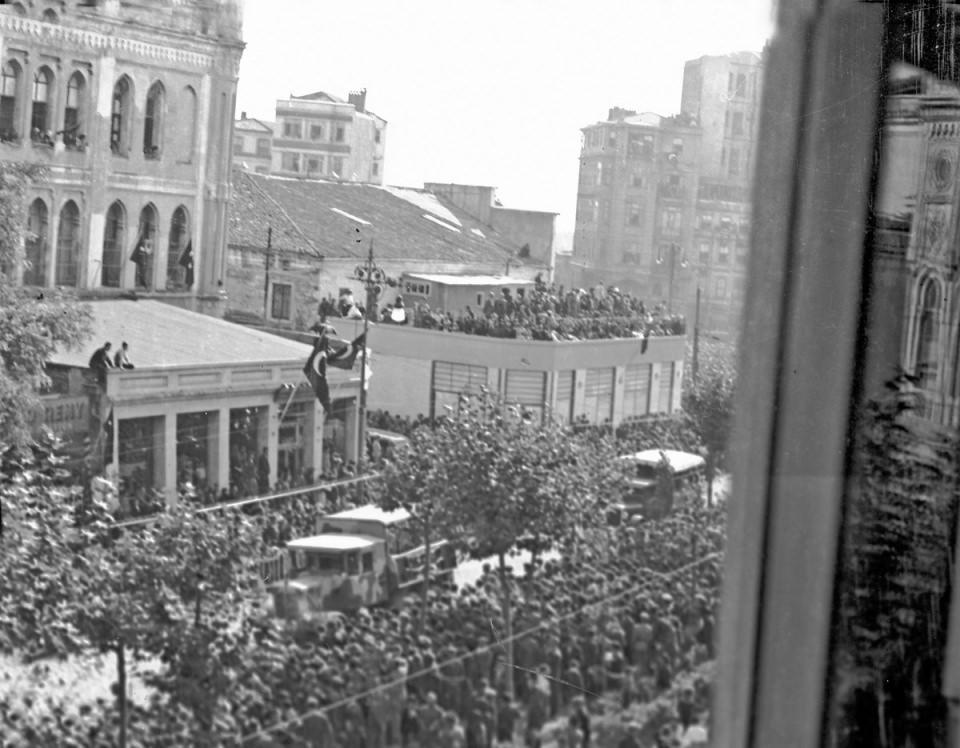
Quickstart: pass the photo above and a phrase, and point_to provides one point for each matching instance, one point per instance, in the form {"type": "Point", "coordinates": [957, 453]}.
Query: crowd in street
{"type": "Point", "coordinates": [594, 633]}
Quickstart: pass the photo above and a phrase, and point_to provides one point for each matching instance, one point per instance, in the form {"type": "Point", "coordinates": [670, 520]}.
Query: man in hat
{"type": "Point", "coordinates": [580, 720]}
{"type": "Point", "coordinates": [100, 362]}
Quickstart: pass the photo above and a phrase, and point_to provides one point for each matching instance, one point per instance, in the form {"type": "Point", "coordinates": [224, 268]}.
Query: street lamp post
{"type": "Point", "coordinates": [674, 249]}
{"type": "Point", "coordinates": [373, 279]}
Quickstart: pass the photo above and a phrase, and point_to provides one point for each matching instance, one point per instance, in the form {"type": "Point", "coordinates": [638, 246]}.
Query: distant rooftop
{"type": "Point", "coordinates": [470, 280]}
{"type": "Point", "coordinates": [164, 335]}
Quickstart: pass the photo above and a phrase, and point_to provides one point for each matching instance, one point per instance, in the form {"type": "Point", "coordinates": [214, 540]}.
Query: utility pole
{"type": "Point", "coordinates": [696, 338]}
{"type": "Point", "coordinates": [373, 279]}
{"type": "Point", "coordinates": [266, 276]}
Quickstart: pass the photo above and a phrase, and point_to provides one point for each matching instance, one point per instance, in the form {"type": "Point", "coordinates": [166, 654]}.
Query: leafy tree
{"type": "Point", "coordinates": [709, 400]}
{"type": "Point", "coordinates": [514, 484]}
{"type": "Point", "coordinates": [32, 325]}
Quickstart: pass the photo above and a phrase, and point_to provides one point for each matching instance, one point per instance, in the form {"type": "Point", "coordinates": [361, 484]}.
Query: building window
{"type": "Point", "coordinates": [705, 221]}
{"type": "Point", "coordinates": [238, 145]}
{"type": "Point", "coordinates": [678, 146]}
{"type": "Point", "coordinates": [119, 116]}
{"type": "Point", "coordinates": [723, 253]}
{"type": "Point", "coordinates": [376, 169]}
{"type": "Point", "coordinates": [720, 288]}
{"type": "Point", "coordinates": [177, 271]}
{"type": "Point", "coordinates": [704, 253]}
{"type": "Point", "coordinates": [143, 251]}
{"type": "Point", "coordinates": [928, 335]}
{"type": "Point", "coordinates": [636, 390]}
{"type": "Point", "coordinates": [377, 136]}
{"type": "Point", "coordinates": [111, 263]}
{"type": "Point", "coordinates": [634, 213]}
{"type": "Point", "coordinates": [35, 245]}
{"type": "Point", "coordinates": [50, 16]}
{"type": "Point", "coordinates": [734, 162]}
{"type": "Point", "coordinates": [316, 132]}
{"type": "Point", "coordinates": [9, 90]}
{"type": "Point", "coordinates": [742, 251]}
{"type": "Point", "coordinates": [341, 133]}
{"type": "Point", "coordinates": [293, 128]}
{"type": "Point", "coordinates": [637, 180]}
{"type": "Point", "coordinates": [737, 128]}
{"type": "Point", "coordinates": [336, 167]}
{"type": "Point", "coordinates": [280, 294]}
{"type": "Point", "coordinates": [315, 165]}
{"type": "Point", "coordinates": [741, 91]}
{"type": "Point", "coordinates": [40, 113]}
{"type": "Point", "coordinates": [189, 120]}
{"type": "Point", "coordinates": [72, 112]}
{"type": "Point", "coordinates": [263, 147]}
{"type": "Point", "coordinates": [68, 232]}
{"type": "Point", "coordinates": [670, 221]}
{"type": "Point", "coordinates": [153, 121]}
{"type": "Point", "coordinates": [290, 161]}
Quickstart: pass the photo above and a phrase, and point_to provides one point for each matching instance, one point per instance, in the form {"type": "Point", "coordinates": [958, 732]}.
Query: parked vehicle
{"type": "Point", "coordinates": [358, 558]}
{"type": "Point", "coordinates": [645, 497]}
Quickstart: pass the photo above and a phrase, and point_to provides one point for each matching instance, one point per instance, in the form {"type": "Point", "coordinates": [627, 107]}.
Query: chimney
{"type": "Point", "coordinates": [358, 99]}
{"type": "Point", "coordinates": [243, 115]}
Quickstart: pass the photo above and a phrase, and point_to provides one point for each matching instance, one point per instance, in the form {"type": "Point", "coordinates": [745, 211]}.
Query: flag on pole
{"type": "Point", "coordinates": [337, 353]}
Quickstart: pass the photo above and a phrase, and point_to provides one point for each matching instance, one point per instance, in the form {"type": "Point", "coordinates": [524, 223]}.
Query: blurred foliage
{"type": "Point", "coordinates": [895, 583]}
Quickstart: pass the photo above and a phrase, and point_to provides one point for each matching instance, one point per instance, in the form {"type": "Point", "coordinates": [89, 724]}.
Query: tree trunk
{"type": "Point", "coordinates": [425, 587]}
{"type": "Point", "coordinates": [507, 624]}
{"type": "Point", "coordinates": [710, 470]}
{"type": "Point", "coordinates": [122, 692]}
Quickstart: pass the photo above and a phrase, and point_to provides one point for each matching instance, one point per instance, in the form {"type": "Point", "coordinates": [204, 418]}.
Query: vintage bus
{"type": "Point", "coordinates": [642, 497]}
{"type": "Point", "coordinates": [358, 558]}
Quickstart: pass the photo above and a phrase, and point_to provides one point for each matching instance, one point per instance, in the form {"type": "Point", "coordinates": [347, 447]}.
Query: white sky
{"type": "Point", "coordinates": [493, 92]}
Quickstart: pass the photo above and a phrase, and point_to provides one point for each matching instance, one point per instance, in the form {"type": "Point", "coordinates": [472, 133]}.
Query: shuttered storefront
{"type": "Point", "coordinates": [666, 388]}
{"type": "Point", "coordinates": [451, 380]}
{"type": "Point", "coordinates": [527, 388]}
{"type": "Point", "coordinates": [598, 395]}
{"type": "Point", "coordinates": [636, 390]}
{"type": "Point", "coordinates": [564, 380]}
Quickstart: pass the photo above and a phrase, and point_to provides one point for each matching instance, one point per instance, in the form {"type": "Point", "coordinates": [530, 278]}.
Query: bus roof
{"type": "Point", "coordinates": [679, 461]}
{"type": "Point", "coordinates": [374, 513]}
{"type": "Point", "coordinates": [332, 541]}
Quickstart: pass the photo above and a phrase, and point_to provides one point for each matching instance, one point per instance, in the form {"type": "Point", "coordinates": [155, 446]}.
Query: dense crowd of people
{"type": "Point", "coordinates": [544, 312]}
{"type": "Point", "coordinates": [593, 633]}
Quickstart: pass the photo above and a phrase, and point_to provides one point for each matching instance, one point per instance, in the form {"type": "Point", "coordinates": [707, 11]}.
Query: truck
{"type": "Point", "coordinates": [359, 558]}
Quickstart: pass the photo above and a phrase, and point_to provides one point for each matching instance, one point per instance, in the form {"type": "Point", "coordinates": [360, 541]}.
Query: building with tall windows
{"type": "Point", "coordinates": [320, 136]}
{"type": "Point", "coordinates": [663, 203]}
{"type": "Point", "coordinates": [130, 109]}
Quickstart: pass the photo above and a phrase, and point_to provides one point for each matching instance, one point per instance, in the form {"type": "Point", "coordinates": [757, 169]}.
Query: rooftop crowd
{"type": "Point", "coordinates": [544, 312]}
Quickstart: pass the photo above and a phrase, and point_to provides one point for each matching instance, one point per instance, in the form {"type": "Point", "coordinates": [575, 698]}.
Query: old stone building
{"type": "Point", "coordinates": [131, 109]}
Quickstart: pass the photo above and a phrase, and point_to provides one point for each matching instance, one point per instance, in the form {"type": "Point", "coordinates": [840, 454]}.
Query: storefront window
{"type": "Point", "coordinates": [248, 440]}
{"type": "Point", "coordinates": [290, 449]}
{"type": "Point", "coordinates": [197, 453]}
{"type": "Point", "coordinates": [141, 464]}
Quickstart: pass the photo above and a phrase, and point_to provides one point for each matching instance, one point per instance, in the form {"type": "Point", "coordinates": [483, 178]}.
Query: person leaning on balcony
{"type": "Point", "coordinates": [122, 359]}
{"type": "Point", "coordinates": [100, 362]}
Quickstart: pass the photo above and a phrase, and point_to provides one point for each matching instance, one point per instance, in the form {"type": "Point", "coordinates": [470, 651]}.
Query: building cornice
{"type": "Point", "coordinates": [64, 36]}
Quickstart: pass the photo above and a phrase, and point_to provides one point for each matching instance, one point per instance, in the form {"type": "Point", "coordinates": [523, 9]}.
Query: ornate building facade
{"type": "Point", "coordinates": [130, 107]}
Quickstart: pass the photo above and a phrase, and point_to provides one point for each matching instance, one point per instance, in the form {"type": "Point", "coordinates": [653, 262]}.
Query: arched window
{"type": "Point", "coordinates": [73, 135]}
{"type": "Point", "coordinates": [143, 251]}
{"type": "Point", "coordinates": [120, 117]}
{"type": "Point", "coordinates": [9, 96]}
{"type": "Point", "coordinates": [153, 121]}
{"type": "Point", "coordinates": [178, 259]}
{"type": "Point", "coordinates": [928, 335]}
{"type": "Point", "coordinates": [50, 16]}
{"type": "Point", "coordinates": [68, 235]}
{"type": "Point", "coordinates": [40, 114]}
{"type": "Point", "coordinates": [35, 269]}
{"type": "Point", "coordinates": [19, 8]}
{"type": "Point", "coordinates": [189, 121]}
{"type": "Point", "coordinates": [113, 236]}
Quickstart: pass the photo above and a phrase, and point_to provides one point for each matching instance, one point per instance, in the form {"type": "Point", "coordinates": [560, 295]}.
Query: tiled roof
{"type": "Point", "coordinates": [164, 335]}
{"type": "Point", "coordinates": [404, 223]}
{"type": "Point", "coordinates": [249, 124]}
{"type": "Point", "coordinates": [320, 96]}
